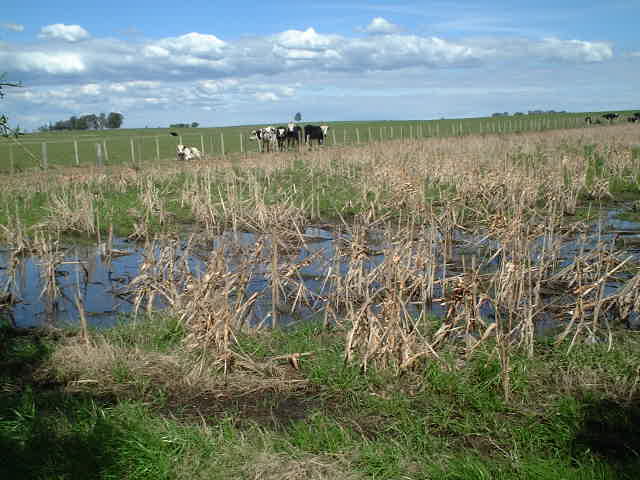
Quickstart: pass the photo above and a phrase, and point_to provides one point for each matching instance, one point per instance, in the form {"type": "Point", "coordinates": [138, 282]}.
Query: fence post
{"type": "Point", "coordinates": [241, 144]}
{"type": "Point", "coordinates": [369, 135]}
{"type": "Point", "coordinates": [158, 149]}
{"type": "Point", "coordinates": [106, 152]}
{"type": "Point", "coordinates": [45, 160]}
{"type": "Point", "coordinates": [357, 136]}
{"type": "Point", "coordinates": [344, 137]}
{"type": "Point", "coordinates": [133, 151]}
{"type": "Point", "coordinates": [11, 158]}
{"type": "Point", "coordinates": [333, 134]}
{"type": "Point", "coordinates": [222, 143]}
{"type": "Point", "coordinates": [202, 144]}
{"type": "Point", "coordinates": [99, 161]}
{"type": "Point", "coordinates": [75, 151]}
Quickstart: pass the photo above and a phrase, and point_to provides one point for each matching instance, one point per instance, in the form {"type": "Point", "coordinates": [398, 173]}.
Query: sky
{"type": "Point", "coordinates": [239, 62]}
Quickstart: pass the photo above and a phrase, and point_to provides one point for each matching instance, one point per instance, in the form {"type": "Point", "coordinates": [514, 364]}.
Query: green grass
{"type": "Point", "coordinates": [438, 421]}
{"type": "Point", "coordinates": [147, 143]}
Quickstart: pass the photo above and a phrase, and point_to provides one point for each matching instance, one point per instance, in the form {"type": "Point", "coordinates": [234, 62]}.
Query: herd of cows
{"type": "Point", "coordinates": [270, 139]}
{"type": "Point", "coordinates": [280, 139]}
{"type": "Point", "coordinates": [610, 117]}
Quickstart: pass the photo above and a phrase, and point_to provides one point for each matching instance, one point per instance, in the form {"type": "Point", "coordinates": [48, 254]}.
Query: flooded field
{"type": "Point", "coordinates": [320, 273]}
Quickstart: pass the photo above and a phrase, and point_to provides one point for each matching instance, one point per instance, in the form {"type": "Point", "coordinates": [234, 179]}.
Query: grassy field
{"type": "Point", "coordinates": [131, 146]}
{"type": "Point", "coordinates": [134, 403]}
{"type": "Point", "coordinates": [366, 389]}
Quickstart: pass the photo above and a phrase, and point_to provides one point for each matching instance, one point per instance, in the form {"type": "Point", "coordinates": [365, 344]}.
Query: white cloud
{"type": "Point", "coordinates": [60, 31]}
{"type": "Point", "coordinates": [16, 27]}
{"type": "Point", "coordinates": [266, 96]}
{"type": "Point", "coordinates": [193, 43]}
{"type": "Point", "coordinates": [295, 68]}
{"type": "Point", "coordinates": [43, 62]}
{"type": "Point", "coordinates": [381, 26]}
{"type": "Point", "coordinates": [574, 50]}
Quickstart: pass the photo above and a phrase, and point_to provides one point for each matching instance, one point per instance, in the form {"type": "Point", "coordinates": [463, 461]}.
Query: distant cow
{"type": "Point", "coordinates": [266, 137]}
{"type": "Point", "coordinates": [184, 153]}
{"type": "Point", "coordinates": [314, 132]}
{"type": "Point", "coordinates": [294, 134]}
{"type": "Point", "coordinates": [281, 137]}
{"type": "Point", "coordinates": [588, 120]}
{"type": "Point", "coordinates": [610, 116]}
{"type": "Point", "coordinates": [632, 119]}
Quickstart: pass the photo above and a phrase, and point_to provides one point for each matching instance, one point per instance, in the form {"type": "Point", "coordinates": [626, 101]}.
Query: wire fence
{"type": "Point", "coordinates": [121, 149]}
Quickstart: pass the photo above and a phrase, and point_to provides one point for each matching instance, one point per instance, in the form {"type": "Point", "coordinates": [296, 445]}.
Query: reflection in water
{"type": "Point", "coordinates": [102, 282]}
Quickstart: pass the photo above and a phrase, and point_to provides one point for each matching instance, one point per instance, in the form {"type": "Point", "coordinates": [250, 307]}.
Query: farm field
{"type": "Point", "coordinates": [461, 304]}
{"type": "Point", "coordinates": [132, 146]}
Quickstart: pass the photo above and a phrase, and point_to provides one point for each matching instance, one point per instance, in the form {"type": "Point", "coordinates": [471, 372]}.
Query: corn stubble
{"type": "Point", "coordinates": [460, 226]}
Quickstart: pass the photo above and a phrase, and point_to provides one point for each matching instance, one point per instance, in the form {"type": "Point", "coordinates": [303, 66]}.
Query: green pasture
{"type": "Point", "coordinates": [132, 146]}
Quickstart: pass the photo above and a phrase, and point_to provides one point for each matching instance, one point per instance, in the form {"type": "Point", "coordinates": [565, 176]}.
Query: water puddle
{"type": "Point", "coordinates": [36, 294]}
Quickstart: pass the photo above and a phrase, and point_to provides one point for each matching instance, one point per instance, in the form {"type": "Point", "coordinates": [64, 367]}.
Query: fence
{"type": "Point", "coordinates": [122, 149]}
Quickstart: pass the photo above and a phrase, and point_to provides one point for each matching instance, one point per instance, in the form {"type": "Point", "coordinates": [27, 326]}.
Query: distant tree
{"type": "Point", "coordinates": [194, 125]}
{"type": "Point", "coordinates": [5, 130]}
{"type": "Point", "coordinates": [298, 117]}
{"type": "Point", "coordinates": [102, 121]}
{"type": "Point", "coordinates": [114, 120]}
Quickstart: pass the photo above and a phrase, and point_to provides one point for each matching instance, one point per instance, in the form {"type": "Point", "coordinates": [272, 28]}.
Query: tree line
{"type": "Point", "coordinates": [86, 122]}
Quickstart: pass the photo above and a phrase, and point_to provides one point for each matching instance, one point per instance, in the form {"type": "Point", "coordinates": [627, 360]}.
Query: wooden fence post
{"type": "Point", "coordinates": [99, 160]}
{"type": "Point", "coordinates": [158, 149]}
{"type": "Point", "coordinates": [106, 152]}
{"type": "Point", "coordinates": [241, 144]}
{"type": "Point", "coordinates": [11, 158]}
{"type": "Point", "coordinates": [202, 144]}
{"type": "Point", "coordinates": [133, 151]}
{"type": "Point", "coordinates": [75, 151]}
{"type": "Point", "coordinates": [333, 134]}
{"type": "Point", "coordinates": [357, 136]}
{"type": "Point", "coordinates": [45, 160]}
{"type": "Point", "coordinates": [369, 135]}
{"type": "Point", "coordinates": [222, 143]}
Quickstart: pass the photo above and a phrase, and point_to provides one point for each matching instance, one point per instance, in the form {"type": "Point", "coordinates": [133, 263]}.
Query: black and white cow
{"type": "Point", "coordinates": [281, 138]}
{"type": "Point", "coordinates": [266, 137]}
{"type": "Point", "coordinates": [610, 116]}
{"type": "Point", "coordinates": [184, 153]}
{"type": "Point", "coordinates": [314, 132]}
{"type": "Point", "coordinates": [294, 134]}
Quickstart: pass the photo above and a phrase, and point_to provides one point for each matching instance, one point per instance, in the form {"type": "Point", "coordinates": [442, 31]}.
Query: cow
{"type": "Point", "coordinates": [314, 132]}
{"type": "Point", "coordinates": [294, 134]}
{"type": "Point", "coordinates": [187, 153]}
{"type": "Point", "coordinates": [266, 137]}
{"type": "Point", "coordinates": [632, 119]}
{"type": "Point", "coordinates": [281, 137]}
{"type": "Point", "coordinates": [610, 116]}
{"type": "Point", "coordinates": [588, 120]}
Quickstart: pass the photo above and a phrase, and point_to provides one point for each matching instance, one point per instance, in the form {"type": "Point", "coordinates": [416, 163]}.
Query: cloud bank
{"type": "Point", "coordinates": [66, 69]}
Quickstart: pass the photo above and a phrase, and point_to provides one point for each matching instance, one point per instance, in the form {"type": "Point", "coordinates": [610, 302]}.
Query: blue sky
{"type": "Point", "coordinates": [241, 62]}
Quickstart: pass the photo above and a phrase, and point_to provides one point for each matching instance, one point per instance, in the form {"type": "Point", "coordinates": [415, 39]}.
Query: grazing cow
{"type": "Point", "coordinates": [294, 134]}
{"type": "Point", "coordinates": [187, 153]}
{"type": "Point", "coordinates": [610, 116]}
{"type": "Point", "coordinates": [314, 132]}
{"type": "Point", "coordinates": [632, 119]}
{"type": "Point", "coordinates": [173, 134]}
{"type": "Point", "coordinates": [588, 120]}
{"type": "Point", "coordinates": [266, 137]}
